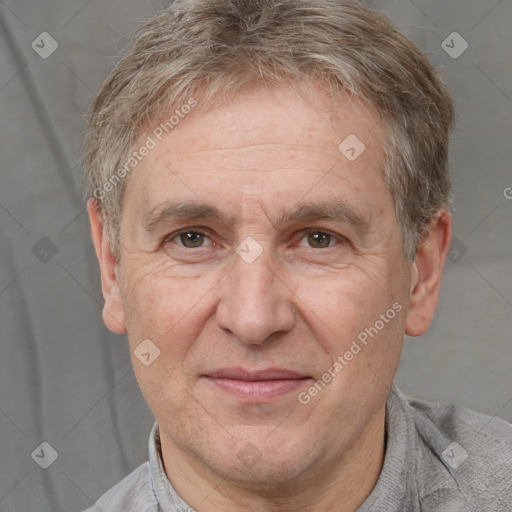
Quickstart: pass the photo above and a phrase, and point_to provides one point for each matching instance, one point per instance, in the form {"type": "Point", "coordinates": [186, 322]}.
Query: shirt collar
{"type": "Point", "coordinates": [167, 498]}
{"type": "Point", "coordinates": [395, 486]}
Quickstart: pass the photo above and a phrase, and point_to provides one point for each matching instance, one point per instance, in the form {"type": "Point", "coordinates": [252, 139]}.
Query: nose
{"type": "Point", "coordinates": [255, 303]}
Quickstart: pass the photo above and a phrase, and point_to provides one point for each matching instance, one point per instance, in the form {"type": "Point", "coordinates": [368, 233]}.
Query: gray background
{"type": "Point", "coordinates": [66, 380]}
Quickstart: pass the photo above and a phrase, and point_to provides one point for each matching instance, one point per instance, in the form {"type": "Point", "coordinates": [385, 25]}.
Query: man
{"type": "Point", "coordinates": [270, 210]}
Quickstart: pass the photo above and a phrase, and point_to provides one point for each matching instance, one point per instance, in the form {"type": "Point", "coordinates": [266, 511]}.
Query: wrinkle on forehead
{"type": "Point", "coordinates": [263, 158]}
{"type": "Point", "coordinates": [258, 140]}
{"type": "Point", "coordinates": [258, 147]}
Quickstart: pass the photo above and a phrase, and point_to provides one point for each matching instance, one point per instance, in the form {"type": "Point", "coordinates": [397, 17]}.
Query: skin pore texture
{"type": "Point", "coordinates": [324, 262]}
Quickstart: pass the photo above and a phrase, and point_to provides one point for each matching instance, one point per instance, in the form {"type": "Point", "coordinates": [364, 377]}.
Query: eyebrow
{"type": "Point", "coordinates": [334, 210]}
{"type": "Point", "coordinates": [179, 211]}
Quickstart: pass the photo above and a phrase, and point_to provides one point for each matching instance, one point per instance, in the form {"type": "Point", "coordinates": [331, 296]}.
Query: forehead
{"type": "Point", "coordinates": [271, 144]}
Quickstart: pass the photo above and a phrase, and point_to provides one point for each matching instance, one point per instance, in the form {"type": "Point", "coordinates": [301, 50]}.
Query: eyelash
{"type": "Point", "coordinates": [305, 233]}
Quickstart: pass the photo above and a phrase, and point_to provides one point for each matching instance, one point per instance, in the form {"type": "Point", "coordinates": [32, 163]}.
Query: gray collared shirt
{"type": "Point", "coordinates": [439, 458]}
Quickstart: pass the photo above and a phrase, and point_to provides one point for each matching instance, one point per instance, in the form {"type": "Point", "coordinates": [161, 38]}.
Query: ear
{"type": "Point", "coordinates": [113, 311]}
{"type": "Point", "coordinates": [426, 274]}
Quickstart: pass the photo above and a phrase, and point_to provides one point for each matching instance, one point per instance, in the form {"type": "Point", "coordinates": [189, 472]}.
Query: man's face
{"type": "Point", "coordinates": [245, 334]}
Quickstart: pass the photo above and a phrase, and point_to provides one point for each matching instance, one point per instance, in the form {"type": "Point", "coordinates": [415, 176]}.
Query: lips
{"type": "Point", "coordinates": [255, 375]}
{"type": "Point", "coordinates": [256, 385]}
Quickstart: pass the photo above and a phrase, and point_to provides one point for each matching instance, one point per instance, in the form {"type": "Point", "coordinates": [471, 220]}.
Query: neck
{"type": "Point", "coordinates": [338, 482]}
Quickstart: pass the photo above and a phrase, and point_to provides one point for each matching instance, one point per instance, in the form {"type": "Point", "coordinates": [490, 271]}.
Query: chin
{"type": "Point", "coordinates": [266, 474]}
{"type": "Point", "coordinates": [262, 461]}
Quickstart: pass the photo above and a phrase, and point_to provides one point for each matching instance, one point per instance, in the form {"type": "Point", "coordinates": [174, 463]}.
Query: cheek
{"type": "Point", "coordinates": [171, 312]}
{"type": "Point", "coordinates": [167, 308]}
{"type": "Point", "coordinates": [360, 320]}
{"type": "Point", "coordinates": [364, 348]}
{"type": "Point", "coordinates": [344, 304]}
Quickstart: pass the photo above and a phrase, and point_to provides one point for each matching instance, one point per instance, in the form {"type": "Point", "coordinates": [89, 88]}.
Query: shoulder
{"type": "Point", "coordinates": [475, 449]}
{"type": "Point", "coordinates": [456, 418]}
{"type": "Point", "coordinates": [483, 437]}
{"type": "Point", "coordinates": [132, 494]}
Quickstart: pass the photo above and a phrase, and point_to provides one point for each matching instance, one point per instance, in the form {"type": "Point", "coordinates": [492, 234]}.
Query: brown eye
{"type": "Point", "coordinates": [319, 240]}
{"type": "Point", "coordinates": [192, 239]}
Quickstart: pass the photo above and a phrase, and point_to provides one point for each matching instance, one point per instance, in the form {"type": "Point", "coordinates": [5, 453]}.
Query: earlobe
{"type": "Point", "coordinates": [426, 274]}
{"type": "Point", "coordinates": [113, 311]}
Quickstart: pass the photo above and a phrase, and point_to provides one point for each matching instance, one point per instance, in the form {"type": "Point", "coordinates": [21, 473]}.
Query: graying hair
{"type": "Point", "coordinates": [202, 49]}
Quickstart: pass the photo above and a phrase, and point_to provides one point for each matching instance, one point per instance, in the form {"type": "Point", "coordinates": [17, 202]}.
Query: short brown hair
{"type": "Point", "coordinates": [197, 49]}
